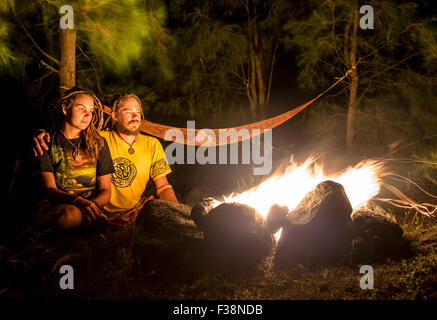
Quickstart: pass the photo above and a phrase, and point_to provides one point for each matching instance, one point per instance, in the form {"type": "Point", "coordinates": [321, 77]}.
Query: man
{"type": "Point", "coordinates": [136, 158]}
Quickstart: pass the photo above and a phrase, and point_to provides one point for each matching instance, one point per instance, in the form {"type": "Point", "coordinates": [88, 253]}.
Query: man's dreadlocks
{"type": "Point", "coordinates": [116, 103]}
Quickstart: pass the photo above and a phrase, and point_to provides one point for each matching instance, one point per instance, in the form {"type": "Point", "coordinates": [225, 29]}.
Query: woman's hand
{"type": "Point", "coordinates": [90, 210]}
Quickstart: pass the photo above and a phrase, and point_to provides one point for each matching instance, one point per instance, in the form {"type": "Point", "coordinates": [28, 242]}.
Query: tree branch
{"type": "Point", "coordinates": [333, 36]}
{"type": "Point", "coordinates": [33, 40]}
{"type": "Point", "coordinates": [40, 79]}
{"type": "Point", "coordinates": [48, 66]}
{"type": "Point", "coordinates": [394, 66]}
{"type": "Point", "coordinates": [92, 65]}
{"type": "Point", "coordinates": [269, 85]}
{"type": "Point", "coordinates": [386, 43]}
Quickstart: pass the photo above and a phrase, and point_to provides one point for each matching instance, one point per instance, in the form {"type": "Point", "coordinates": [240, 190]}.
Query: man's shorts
{"type": "Point", "coordinates": [121, 221]}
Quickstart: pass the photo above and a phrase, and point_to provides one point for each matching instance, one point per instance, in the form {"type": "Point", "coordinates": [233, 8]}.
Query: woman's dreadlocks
{"type": "Point", "coordinates": [93, 141]}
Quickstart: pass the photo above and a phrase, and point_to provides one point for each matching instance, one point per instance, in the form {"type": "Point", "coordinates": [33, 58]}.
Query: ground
{"type": "Point", "coordinates": [134, 264]}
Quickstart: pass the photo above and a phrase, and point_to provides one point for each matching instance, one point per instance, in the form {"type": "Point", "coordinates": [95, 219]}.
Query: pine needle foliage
{"type": "Point", "coordinates": [395, 62]}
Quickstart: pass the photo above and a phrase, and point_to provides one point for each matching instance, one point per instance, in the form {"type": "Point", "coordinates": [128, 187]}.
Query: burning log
{"type": "Point", "coordinates": [318, 229]}
{"type": "Point", "coordinates": [236, 235]}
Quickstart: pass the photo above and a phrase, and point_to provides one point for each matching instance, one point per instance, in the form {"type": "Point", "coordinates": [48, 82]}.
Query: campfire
{"type": "Point", "coordinates": [361, 183]}
{"type": "Point", "coordinates": [316, 217]}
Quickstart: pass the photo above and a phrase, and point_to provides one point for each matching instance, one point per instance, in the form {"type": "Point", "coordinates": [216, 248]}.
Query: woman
{"type": "Point", "coordinates": [76, 170]}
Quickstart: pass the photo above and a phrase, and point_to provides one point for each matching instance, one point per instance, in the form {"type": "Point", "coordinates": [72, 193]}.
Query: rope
{"type": "Point", "coordinates": [222, 136]}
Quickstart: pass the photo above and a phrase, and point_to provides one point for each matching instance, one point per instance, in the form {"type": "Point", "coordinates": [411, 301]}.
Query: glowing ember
{"type": "Point", "coordinates": [361, 183]}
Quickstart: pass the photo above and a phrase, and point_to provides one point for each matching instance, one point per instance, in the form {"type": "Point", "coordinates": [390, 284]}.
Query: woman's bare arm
{"type": "Point", "coordinates": [88, 208]}
{"type": "Point", "coordinates": [52, 192]}
{"type": "Point", "coordinates": [103, 189]}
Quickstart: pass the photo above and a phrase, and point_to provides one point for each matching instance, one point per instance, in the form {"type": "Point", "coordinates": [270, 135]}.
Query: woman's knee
{"type": "Point", "coordinates": [69, 218]}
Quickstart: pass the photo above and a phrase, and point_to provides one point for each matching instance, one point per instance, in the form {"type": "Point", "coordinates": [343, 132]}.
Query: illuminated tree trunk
{"type": "Point", "coordinates": [257, 89]}
{"type": "Point", "coordinates": [258, 66]}
{"type": "Point", "coordinates": [353, 86]}
{"type": "Point", "coordinates": [252, 84]}
{"type": "Point", "coordinates": [251, 92]}
{"type": "Point", "coordinates": [67, 71]}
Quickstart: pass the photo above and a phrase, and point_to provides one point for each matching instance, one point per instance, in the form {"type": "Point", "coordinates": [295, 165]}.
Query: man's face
{"type": "Point", "coordinates": [128, 116]}
{"type": "Point", "coordinates": [80, 113]}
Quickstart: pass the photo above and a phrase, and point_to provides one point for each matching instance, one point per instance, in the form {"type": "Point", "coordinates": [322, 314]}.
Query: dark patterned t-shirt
{"type": "Point", "coordinates": [77, 176]}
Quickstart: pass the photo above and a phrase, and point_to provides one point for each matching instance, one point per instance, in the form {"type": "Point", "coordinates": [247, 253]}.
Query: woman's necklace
{"type": "Point", "coordinates": [75, 153]}
{"type": "Point", "coordinates": [130, 150]}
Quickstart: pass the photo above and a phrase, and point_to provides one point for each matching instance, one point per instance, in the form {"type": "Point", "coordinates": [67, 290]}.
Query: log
{"type": "Point", "coordinates": [166, 239]}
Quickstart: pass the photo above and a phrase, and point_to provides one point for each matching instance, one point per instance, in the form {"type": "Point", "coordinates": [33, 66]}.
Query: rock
{"type": "Point", "coordinates": [380, 230]}
{"type": "Point", "coordinates": [361, 251]}
{"type": "Point", "coordinates": [367, 223]}
{"type": "Point", "coordinates": [317, 231]}
{"type": "Point", "coordinates": [236, 236]}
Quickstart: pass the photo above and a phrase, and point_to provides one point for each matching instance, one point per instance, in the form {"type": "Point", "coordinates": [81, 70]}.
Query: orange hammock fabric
{"type": "Point", "coordinates": [159, 130]}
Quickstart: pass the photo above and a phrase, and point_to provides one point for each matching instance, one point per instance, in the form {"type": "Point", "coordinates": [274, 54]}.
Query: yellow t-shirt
{"type": "Point", "coordinates": [132, 171]}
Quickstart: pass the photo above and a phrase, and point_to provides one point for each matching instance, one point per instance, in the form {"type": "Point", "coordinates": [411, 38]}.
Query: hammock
{"type": "Point", "coordinates": [222, 135]}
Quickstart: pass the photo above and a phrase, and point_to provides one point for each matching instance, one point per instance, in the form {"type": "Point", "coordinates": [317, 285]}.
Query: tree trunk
{"type": "Point", "coordinates": [257, 90]}
{"type": "Point", "coordinates": [261, 90]}
{"type": "Point", "coordinates": [258, 68]}
{"type": "Point", "coordinates": [252, 77]}
{"type": "Point", "coordinates": [252, 68]}
{"type": "Point", "coordinates": [67, 72]}
{"type": "Point", "coordinates": [353, 86]}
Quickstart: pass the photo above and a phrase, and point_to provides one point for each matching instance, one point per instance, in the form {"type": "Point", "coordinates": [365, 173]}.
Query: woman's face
{"type": "Point", "coordinates": [80, 113]}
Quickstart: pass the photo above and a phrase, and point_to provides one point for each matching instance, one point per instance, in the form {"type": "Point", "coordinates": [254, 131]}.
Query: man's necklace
{"type": "Point", "coordinates": [130, 150]}
{"type": "Point", "coordinates": [75, 153]}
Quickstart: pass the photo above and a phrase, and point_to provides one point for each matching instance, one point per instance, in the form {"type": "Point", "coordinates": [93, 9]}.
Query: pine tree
{"type": "Point", "coordinates": [383, 60]}
{"type": "Point", "coordinates": [225, 50]}
{"type": "Point", "coordinates": [108, 36]}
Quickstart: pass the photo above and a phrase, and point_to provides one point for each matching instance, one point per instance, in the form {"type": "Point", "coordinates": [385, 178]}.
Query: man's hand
{"type": "Point", "coordinates": [40, 138]}
{"type": "Point", "coordinates": [90, 211]}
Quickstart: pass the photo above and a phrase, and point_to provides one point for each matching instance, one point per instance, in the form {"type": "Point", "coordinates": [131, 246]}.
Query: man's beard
{"type": "Point", "coordinates": [124, 130]}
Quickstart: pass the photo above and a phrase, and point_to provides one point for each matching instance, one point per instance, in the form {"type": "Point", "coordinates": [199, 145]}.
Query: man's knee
{"type": "Point", "coordinates": [70, 217]}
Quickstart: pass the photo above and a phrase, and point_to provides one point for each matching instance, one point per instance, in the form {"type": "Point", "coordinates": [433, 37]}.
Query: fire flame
{"type": "Point", "coordinates": [361, 183]}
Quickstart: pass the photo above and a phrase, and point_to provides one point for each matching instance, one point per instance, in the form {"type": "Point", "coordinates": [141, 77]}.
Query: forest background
{"type": "Point", "coordinates": [225, 63]}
